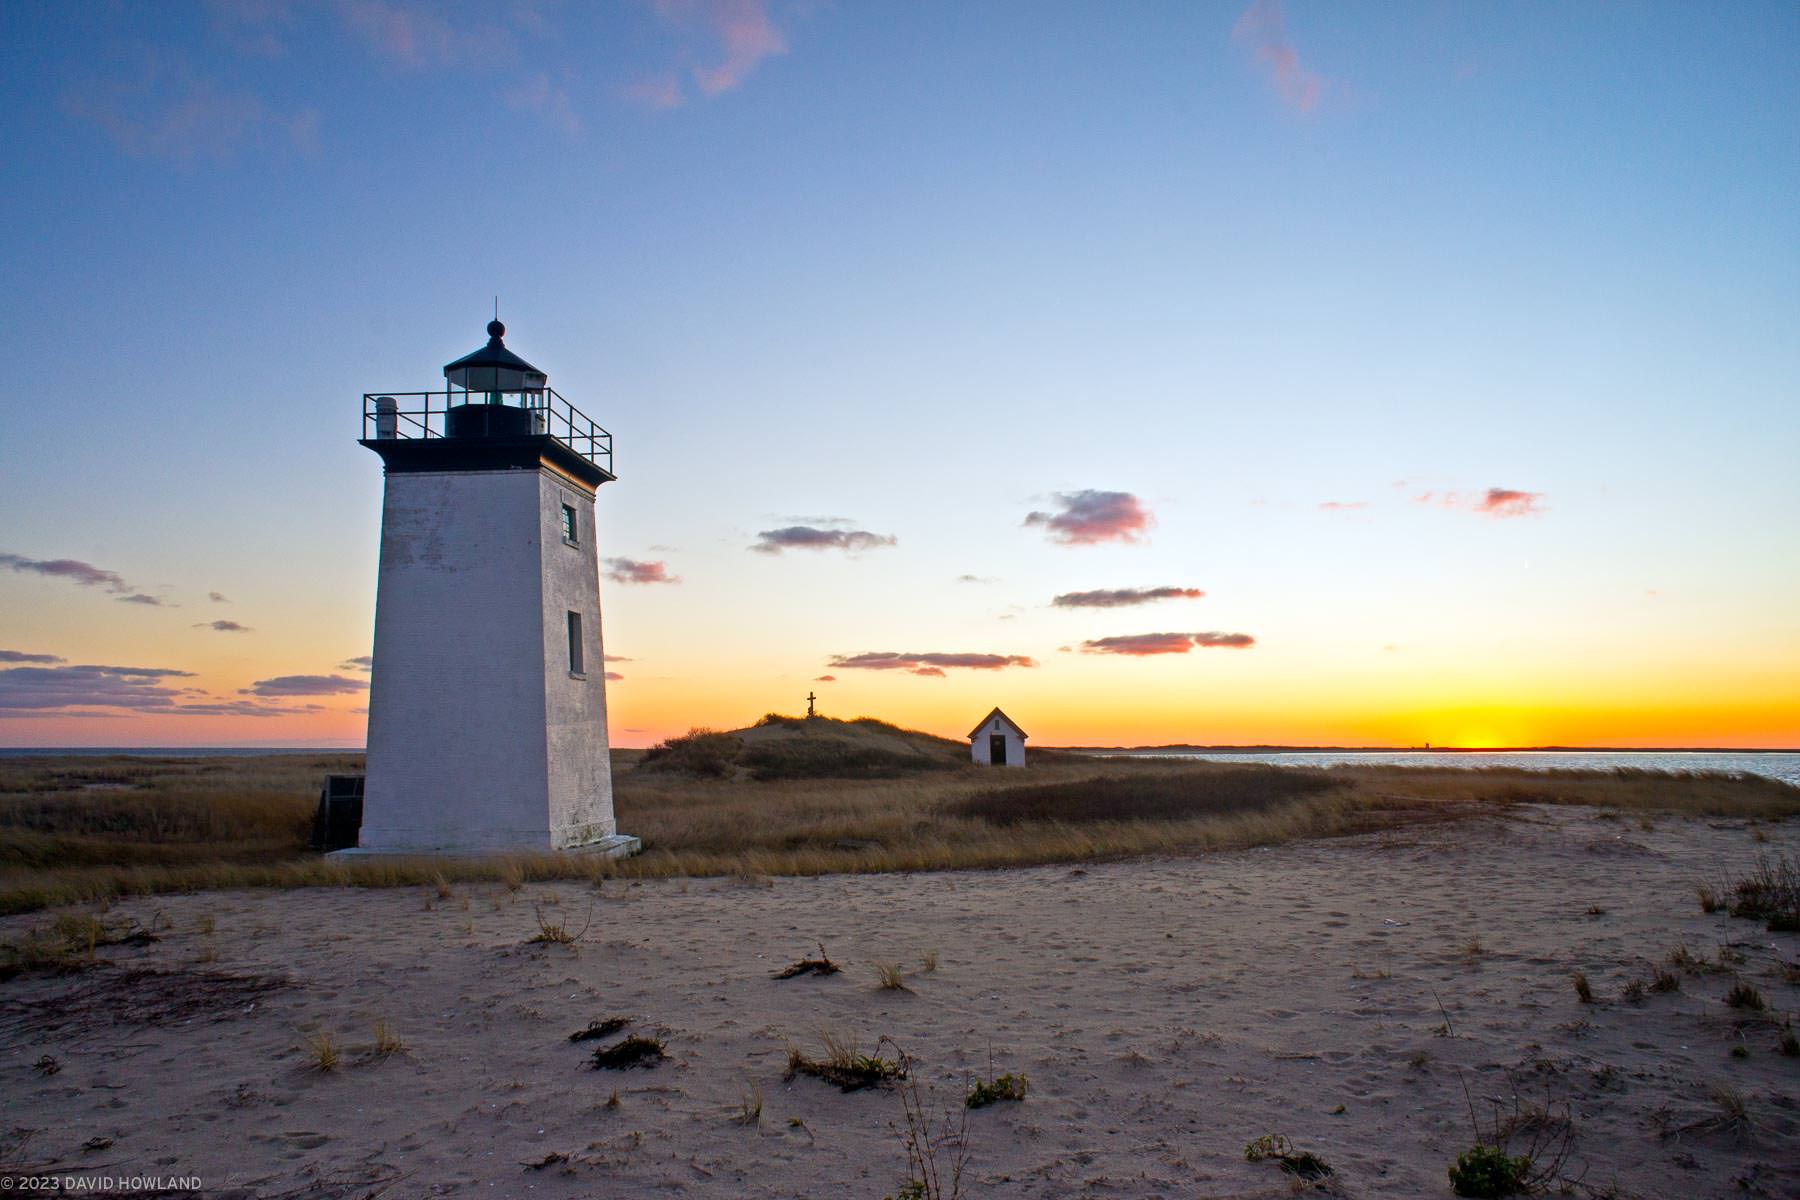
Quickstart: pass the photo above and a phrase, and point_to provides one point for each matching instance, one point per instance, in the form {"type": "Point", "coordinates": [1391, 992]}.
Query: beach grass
{"type": "Point", "coordinates": [84, 829]}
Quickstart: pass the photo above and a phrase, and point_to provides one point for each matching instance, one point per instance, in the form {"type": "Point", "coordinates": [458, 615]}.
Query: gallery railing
{"type": "Point", "coordinates": [404, 415]}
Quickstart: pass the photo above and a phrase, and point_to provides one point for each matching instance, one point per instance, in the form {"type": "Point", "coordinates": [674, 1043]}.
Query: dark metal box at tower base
{"type": "Point", "coordinates": [339, 820]}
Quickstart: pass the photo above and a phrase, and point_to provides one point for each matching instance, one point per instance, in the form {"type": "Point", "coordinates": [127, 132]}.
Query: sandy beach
{"type": "Point", "coordinates": [1165, 1011]}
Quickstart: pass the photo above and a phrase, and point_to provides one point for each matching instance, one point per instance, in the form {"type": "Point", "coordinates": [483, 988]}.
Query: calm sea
{"type": "Point", "coordinates": [1784, 766]}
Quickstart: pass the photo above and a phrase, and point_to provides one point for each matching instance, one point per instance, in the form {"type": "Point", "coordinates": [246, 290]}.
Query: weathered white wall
{"type": "Point", "coordinates": [578, 770]}
{"type": "Point", "coordinates": [1015, 745]}
{"type": "Point", "coordinates": [478, 737]}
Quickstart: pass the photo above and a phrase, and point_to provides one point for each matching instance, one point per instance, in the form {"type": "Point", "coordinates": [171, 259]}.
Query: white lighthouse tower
{"type": "Point", "coordinates": [487, 705]}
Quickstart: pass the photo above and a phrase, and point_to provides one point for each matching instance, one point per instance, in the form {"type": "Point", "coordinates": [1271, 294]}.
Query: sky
{"type": "Point", "coordinates": [1285, 372]}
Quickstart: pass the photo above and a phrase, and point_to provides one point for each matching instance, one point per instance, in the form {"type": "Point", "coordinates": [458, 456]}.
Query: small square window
{"type": "Point", "coordinates": [569, 527]}
{"type": "Point", "coordinates": [575, 658]}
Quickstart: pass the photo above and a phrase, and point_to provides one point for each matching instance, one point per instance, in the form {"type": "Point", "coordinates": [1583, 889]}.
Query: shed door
{"type": "Point", "coordinates": [997, 749]}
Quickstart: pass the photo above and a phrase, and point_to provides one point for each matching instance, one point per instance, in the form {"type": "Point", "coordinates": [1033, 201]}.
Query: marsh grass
{"type": "Point", "coordinates": [84, 829]}
{"type": "Point", "coordinates": [322, 1052]}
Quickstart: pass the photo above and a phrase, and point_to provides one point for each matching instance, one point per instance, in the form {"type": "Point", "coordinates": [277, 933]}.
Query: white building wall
{"type": "Point", "coordinates": [478, 738]}
{"type": "Point", "coordinates": [980, 749]}
{"type": "Point", "coordinates": [578, 769]}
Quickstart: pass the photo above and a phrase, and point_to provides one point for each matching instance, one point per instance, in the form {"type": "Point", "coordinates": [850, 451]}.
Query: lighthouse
{"type": "Point", "coordinates": [487, 701]}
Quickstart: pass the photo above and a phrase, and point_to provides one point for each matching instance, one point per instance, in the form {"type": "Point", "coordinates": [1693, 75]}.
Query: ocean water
{"type": "Point", "coordinates": [1783, 765]}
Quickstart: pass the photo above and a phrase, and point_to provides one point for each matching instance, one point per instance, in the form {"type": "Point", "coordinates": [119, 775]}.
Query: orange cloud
{"type": "Point", "coordinates": [1264, 29]}
{"type": "Point", "coordinates": [932, 664]}
{"type": "Point", "coordinates": [1139, 645]}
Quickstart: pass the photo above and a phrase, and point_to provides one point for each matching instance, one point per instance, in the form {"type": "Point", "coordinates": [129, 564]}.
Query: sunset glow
{"type": "Point", "coordinates": [1273, 373]}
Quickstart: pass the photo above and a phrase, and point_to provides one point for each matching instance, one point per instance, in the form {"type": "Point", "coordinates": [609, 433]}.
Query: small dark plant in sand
{"type": "Point", "coordinates": [1744, 995]}
{"type": "Point", "coordinates": [1770, 893]}
{"type": "Point", "coordinates": [821, 965]}
{"type": "Point", "coordinates": [1276, 1148]}
{"type": "Point", "coordinates": [634, 1051]}
{"type": "Point", "coordinates": [937, 1147]}
{"type": "Point", "coordinates": [1584, 991]}
{"type": "Point", "coordinates": [1005, 1087]}
{"type": "Point", "coordinates": [1490, 1168]}
{"type": "Point", "coordinates": [596, 1030]}
{"type": "Point", "coordinates": [845, 1067]}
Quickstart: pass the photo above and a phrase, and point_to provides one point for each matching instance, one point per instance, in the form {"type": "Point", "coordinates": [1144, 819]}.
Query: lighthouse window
{"type": "Point", "coordinates": [568, 525]}
{"type": "Point", "coordinates": [574, 643]}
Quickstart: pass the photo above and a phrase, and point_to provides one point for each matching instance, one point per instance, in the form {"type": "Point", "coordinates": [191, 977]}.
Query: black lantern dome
{"type": "Point", "coordinates": [495, 369]}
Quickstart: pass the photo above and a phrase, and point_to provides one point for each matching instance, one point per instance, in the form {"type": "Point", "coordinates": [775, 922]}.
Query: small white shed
{"type": "Point", "coordinates": [997, 741]}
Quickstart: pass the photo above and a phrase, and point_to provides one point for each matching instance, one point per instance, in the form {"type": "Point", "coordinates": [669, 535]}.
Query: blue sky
{"type": "Point", "coordinates": [922, 269]}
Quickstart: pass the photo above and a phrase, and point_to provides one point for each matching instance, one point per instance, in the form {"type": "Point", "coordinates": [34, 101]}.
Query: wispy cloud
{"type": "Point", "coordinates": [1139, 645]}
{"type": "Point", "coordinates": [981, 579]}
{"type": "Point", "coordinates": [809, 537]}
{"type": "Point", "coordinates": [417, 36]}
{"type": "Point", "coordinates": [166, 111]}
{"type": "Point", "coordinates": [362, 662]}
{"type": "Point", "coordinates": [613, 676]}
{"type": "Point", "coordinates": [20, 656]}
{"type": "Point", "coordinates": [630, 570]}
{"type": "Point", "coordinates": [1494, 502]}
{"type": "Point", "coordinates": [1509, 502]}
{"type": "Point", "coordinates": [741, 35]}
{"type": "Point", "coordinates": [549, 101]}
{"type": "Point", "coordinates": [657, 92]}
{"type": "Point", "coordinates": [72, 569]}
{"type": "Point", "coordinates": [1124, 597]}
{"type": "Point", "coordinates": [217, 598]}
{"type": "Point", "coordinates": [1263, 28]}
{"type": "Point", "coordinates": [1089, 517]}
{"type": "Point", "coordinates": [223, 626]}
{"type": "Point", "coordinates": [929, 664]}
{"type": "Point", "coordinates": [143, 598]}
{"type": "Point", "coordinates": [824, 678]}
{"type": "Point", "coordinates": [305, 685]}
{"type": "Point", "coordinates": [1343, 505]}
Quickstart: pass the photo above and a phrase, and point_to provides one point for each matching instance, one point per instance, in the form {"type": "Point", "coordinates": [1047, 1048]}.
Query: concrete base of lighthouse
{"type": "Point", "coordinates": [617, 845]}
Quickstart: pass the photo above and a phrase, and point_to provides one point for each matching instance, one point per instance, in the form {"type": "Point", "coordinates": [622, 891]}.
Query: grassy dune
{"type": "Point", "coordinates": [83, 829]}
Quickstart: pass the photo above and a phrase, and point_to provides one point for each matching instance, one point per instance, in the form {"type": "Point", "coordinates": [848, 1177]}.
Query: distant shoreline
{"type": "Point", "coordinates": [1188, 749]}
{"type": "Point", "coordinates": [1181, 748]}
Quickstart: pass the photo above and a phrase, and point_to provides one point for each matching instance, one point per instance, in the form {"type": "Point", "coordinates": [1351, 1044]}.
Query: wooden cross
{"type": "Point", "coordinates": [809, 703]}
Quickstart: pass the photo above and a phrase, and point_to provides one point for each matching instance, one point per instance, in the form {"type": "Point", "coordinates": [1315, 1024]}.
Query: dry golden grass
{"type": "Point", "coordinates": [76, 830]}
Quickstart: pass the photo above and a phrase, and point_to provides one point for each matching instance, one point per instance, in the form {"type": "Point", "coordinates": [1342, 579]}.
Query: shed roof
{"type": "Point", "coordinates": [982, 724]}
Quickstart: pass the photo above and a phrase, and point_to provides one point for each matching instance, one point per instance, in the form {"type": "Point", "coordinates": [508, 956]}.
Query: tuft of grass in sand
{"type": "Point", "coordinates": [845, 1066]}
{"type": "Point", "coordinates": [387, 1042]}
{"type": "Point", "coordinates": [889, 977]}
{"type": "Point", "coordinates": [322, 1052]}
{"type": "Point", "coordinates": [1583, 990]}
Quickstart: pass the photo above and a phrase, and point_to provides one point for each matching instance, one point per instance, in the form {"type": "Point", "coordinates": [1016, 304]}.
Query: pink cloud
{"type": "Point", "coordinates": [1343, 505]}
{"type": "Point", "coordinates": [613, 676]}
{"type": "Point", "coordinates": [1263, 29]}
{"type": "Point", "coordinates": [414, 36]}
{"type": "Point", "coordinates": [743, 30]}
{"type": "Point", "coordinates": [825, 679]}
{"type": "Point", "coordinates": [630, 570]}
{"type": "Point", "coordinates": [933, 663]}
{"type": "Point", "coordinates": [1089, 517]}
{"type": "Point", "coordinates": [1139, 645]}
{"type": "Point", "coordinates": [1495, 502]}
{"type": "Point", "coordinates": [1509, 502]}
{"type": "Point", "coordinates": [809, 537]}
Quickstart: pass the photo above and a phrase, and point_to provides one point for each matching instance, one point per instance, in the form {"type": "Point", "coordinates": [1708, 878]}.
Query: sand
{"type": "Point", "coordinates": [1165, 1011]}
